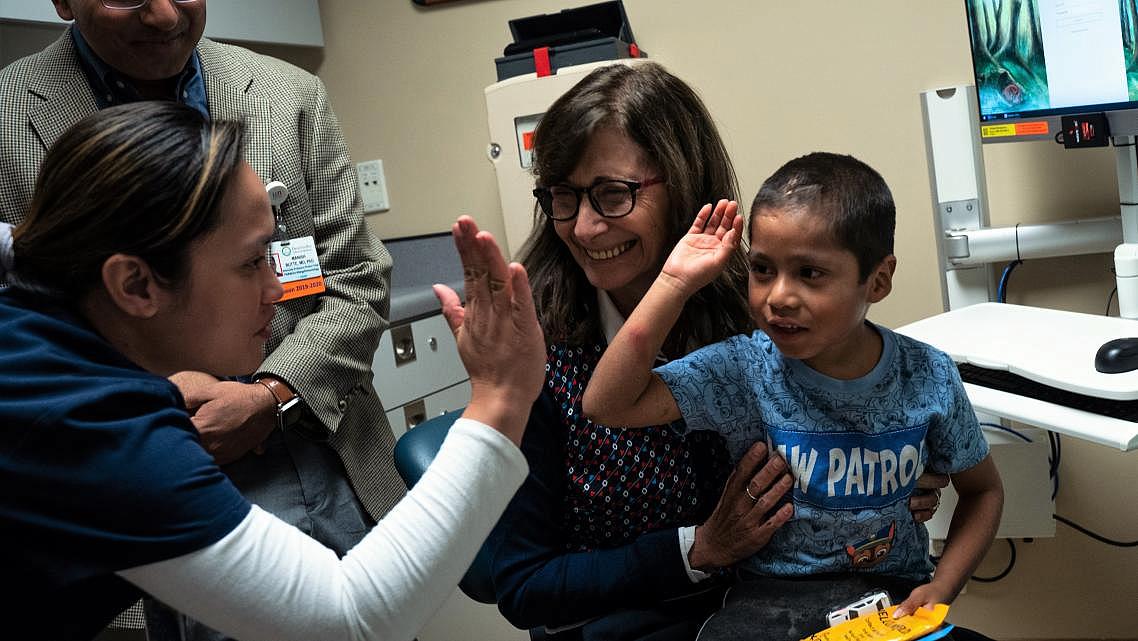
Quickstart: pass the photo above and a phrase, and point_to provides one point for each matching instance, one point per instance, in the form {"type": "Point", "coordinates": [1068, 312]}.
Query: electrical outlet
{"type": "Point", "coordinates": [373, 186]}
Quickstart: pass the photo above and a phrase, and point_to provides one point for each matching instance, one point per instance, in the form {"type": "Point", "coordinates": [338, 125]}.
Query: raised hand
{"type": "Point", "coordinates": [497, 332]}
{"type": "Point", "coordinates": [704, 251]}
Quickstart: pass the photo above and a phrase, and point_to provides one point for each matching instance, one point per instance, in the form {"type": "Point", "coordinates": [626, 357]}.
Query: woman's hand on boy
{"type": "Point", "coordinates": [745, 518]}
{"type": "Point", "coordinates": [926, 500]}
{"type": "Point", "coordinates": [705, 250]}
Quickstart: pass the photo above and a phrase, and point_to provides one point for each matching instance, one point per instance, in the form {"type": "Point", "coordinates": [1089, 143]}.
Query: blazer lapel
{"type": "Point", "coordinates": [230, 88]}
{"type": "Point", "coordinates": [63, 90]}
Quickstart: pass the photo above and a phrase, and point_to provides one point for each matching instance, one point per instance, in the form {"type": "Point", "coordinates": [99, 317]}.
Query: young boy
{"type": "Point", "coordinates": [857, 411]}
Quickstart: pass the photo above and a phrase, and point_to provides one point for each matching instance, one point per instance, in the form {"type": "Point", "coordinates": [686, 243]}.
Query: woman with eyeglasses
{"type": "Point", "coordinates": [144, 254]}
{"type": "Point", "coordinates": [620, 535]}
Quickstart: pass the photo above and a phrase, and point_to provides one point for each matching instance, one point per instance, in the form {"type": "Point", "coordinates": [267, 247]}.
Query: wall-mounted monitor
{"type": "Point", "coordinates": [1038, 60]}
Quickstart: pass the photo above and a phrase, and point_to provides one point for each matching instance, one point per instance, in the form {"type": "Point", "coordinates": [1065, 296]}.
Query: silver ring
{"type": "Point", "coordinates": [754, 499]}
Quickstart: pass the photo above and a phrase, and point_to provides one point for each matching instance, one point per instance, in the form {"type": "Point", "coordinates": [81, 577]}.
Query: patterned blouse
{"type": "Point", "coordinates": [623, 483]}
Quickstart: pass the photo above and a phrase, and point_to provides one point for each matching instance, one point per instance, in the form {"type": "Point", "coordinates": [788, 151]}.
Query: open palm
{"type": "Point", "coordinates": [704, 251]}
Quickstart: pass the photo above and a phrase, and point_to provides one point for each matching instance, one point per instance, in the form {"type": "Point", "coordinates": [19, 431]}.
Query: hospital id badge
{"type": "Point", "coordinates": [297, 266]}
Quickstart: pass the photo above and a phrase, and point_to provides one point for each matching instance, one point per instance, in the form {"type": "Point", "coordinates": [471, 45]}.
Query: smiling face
{"type": "Point", "coordinates": [804, 292]}
{"type": "Point", "coordinates": [619, 255]}
{"type": "Point", "coordinates": [219, 316]}
{"type": "Point", "coordinates": [148, 44]}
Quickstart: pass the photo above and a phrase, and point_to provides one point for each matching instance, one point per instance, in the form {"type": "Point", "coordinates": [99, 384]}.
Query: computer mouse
{"type": "Point", "coordinates": [1117, 356]}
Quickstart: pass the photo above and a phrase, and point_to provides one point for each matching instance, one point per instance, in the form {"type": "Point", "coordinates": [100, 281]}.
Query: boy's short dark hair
{"type": "Point", "coordinates": [847, 192]}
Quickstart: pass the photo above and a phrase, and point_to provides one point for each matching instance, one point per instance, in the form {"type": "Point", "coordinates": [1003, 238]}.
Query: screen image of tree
{"type": "Point", "coordinates": [1128, 12]}
{"type": "Point", "coordinates": [1007, 51]}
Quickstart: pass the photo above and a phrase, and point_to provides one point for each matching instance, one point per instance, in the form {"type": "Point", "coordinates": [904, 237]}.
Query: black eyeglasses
{"type": "Point", "coordinates": [609, 198]}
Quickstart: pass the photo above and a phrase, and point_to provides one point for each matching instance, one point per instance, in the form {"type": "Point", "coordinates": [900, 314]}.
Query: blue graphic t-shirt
{"type": "Point", "coordinates": [854, 447]}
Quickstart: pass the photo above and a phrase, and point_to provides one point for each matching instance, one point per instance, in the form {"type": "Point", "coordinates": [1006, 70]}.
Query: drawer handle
{"type": "Point", "coordinates": [405, 350]}
{"type": "Point", "coordinates": [415, 413]}
{"type": "Point", "coordinates": [403, 344]}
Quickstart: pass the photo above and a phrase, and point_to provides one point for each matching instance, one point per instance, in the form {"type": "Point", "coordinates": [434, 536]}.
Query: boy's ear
{"type": "Point", "coordinates": [131, 285]}
{"type": "Point", "coordinates": [881, 280]}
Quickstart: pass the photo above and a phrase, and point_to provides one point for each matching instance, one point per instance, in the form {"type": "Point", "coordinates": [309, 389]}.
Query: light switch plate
{"type": "Point", "coordinates": [373, 186]}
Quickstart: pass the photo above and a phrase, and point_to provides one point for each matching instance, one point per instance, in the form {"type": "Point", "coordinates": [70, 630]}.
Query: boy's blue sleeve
{"type": "Point", "coordinates": [539, 582]}
{"type": "Point", "coordinates": [712, 386]}
{"type": "Point", "coordinates": [955, 442]}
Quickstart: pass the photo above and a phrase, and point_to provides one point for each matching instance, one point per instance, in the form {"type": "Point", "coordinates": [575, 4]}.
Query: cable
{"type": "Point", "coordinates": [1053, 462]}
{"type": "Point", "coordinates": [1094, 535]}
{"type": "Point", "coordinates": [1005, 572]}
{"type": "Point", "coordinates": [1008, 430]}
{"type": "Point", "coordinates": [1109, 299]}
{"type": "Point", "coordinates": [1058, 453]}
{"type": "Point", "coordinates": [1002, 290]}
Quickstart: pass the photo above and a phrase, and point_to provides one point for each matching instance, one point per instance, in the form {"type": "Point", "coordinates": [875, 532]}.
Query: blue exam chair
{"type": "Point", "coordinates": [413, 453]}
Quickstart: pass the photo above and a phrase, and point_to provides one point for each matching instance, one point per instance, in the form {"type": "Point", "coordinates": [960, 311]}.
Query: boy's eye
{"type": "Point", "coordinates": [760, 268]}
{"type": "Point", "coordinates": [810, 273]}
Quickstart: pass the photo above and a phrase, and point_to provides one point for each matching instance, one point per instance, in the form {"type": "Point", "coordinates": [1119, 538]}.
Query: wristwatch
{"type": "Point", "coordinates": [289, 404]}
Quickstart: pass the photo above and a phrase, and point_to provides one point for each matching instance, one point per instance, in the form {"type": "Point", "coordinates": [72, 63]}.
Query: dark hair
{"type": "Point", "coordinates": [665, 117]}
{"type": "Point", "coordinates": [848, 193]}
{"type": "Point", "coordinates": [143, 179]}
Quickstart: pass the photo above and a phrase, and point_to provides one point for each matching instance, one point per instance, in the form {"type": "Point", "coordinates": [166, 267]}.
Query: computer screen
{"type": "Point", "coordinates": [1037, 60]}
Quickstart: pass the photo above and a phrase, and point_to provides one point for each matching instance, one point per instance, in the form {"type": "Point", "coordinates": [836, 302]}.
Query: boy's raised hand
{"type": "Point", "coordinates": [704, 251]}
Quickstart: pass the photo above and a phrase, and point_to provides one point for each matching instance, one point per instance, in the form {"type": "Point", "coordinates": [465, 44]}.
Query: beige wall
{"type": "Point", "coordinates": [782, 78]}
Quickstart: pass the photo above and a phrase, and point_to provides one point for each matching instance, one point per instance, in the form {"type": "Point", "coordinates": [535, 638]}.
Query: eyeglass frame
{"type": "Point", "coordinates": [633, 187]}
{"type": "Point", "coordinates": [141, 5]}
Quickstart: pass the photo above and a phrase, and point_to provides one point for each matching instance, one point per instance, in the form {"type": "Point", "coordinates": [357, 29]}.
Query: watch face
{"type": "Point", "coordinates": [290, 411]}
{"type": "Point", "coordinates": [291, 416]}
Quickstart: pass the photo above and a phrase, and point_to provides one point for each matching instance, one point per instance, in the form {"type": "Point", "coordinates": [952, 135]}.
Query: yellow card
{"type": "Point", "coordinates": [881, 626]}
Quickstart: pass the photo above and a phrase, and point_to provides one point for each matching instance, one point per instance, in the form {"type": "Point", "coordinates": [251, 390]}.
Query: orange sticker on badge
{"type": "Point", "coordinates": [299, 288]}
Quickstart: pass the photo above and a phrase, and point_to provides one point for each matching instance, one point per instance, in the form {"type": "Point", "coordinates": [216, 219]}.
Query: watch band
{"type": "Point", "coordinates": [283, 393]}
{"type": "Point", "coordinates": [289, 407]}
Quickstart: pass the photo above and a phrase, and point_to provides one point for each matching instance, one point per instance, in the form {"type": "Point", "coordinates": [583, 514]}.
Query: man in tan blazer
{"type": "Point", "coordinates": [322, 344]}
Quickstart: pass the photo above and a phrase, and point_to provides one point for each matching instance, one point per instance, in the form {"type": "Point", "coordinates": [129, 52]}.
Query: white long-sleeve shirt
{"type": "Point", "coordinates": [267, 580]}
